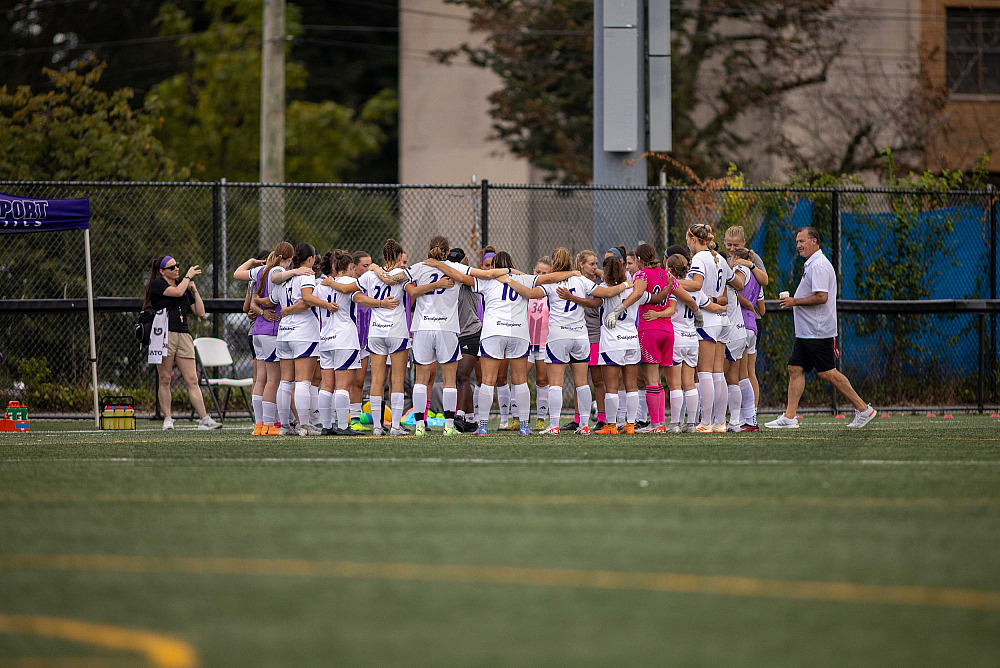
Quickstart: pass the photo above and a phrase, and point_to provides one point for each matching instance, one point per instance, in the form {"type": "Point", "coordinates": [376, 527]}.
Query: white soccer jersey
{"type": "Point", "coordinates": [505, 313]}
{"type": "Point", "coordinates": [386, 323]}
{"type": "Point", "coordinates": [683, 317]}
{"type": "Point", "coordinates": [713, 269]}
{"type": "Point", "coordinates": [566, 318]}
{"type": "Point", "coordinates": [702, 299]}
{"type": "Point", "coordinates": [733, 311]}
{"type": "Point", "coordinates": [625, 335]}
{"type": "Point", "coordinates": [437, 310]}
{"type": "Point", "coordinates": [302, 326]}
{"type": "Point", "coordinates": [338, 330]}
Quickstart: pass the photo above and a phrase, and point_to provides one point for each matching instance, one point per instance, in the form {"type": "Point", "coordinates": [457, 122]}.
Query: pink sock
{"type": "Point", "coordinates": [601, 417]}
{"type": "Point", "coordinates": [576, 418]}
{"type": "Point", "coordinates": [655, 404]}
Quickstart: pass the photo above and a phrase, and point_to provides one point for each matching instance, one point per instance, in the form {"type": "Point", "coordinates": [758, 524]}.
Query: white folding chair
{"type": "Point", "coordinates": [214, 353]}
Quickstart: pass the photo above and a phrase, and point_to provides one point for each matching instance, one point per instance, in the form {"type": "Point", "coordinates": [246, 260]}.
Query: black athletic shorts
{"type": "Point", "coordinates": [469, 345]}
{"type": "Point", "coordinates": [819, 354]}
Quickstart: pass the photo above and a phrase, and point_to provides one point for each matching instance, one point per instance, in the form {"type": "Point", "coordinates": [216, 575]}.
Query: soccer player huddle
{"type": "Point", "coordinates": [321, 323]}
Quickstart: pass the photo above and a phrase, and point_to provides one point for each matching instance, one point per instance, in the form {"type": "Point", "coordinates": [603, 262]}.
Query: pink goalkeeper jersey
{"type": "Point", "coordinates": [657, 280]}
{"type": "Point", "coordinates": [538, 321]}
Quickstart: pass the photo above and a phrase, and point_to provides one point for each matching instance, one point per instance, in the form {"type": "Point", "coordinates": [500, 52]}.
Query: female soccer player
{"type": "Point", "coordinates": [164, 291]}
{"type": "Point", "coordinates": [734, 334]}
{"type": "Point", "coordinates": [363, 317]}
{"type": "Point", "coordinates": [339, 351]}
{"type": "Point", "coordinates": [470, 327]}
{"type": "Point", "coordinates": [736, 238]}
{"type": "Point", "coordinates": [619, 347]}
{"type": "Point", "coordinates": [709, 273]}
{"type": "Point", "coordinates": [538, 332]}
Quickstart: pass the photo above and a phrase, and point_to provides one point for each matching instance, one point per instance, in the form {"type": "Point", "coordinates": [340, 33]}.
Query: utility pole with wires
{"type": "Point", "coordinates": [272, 124]}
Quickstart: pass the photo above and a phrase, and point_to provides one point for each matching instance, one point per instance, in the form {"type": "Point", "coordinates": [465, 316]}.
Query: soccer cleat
{"type": "Point", "coordinates": [571, 426]}
{"type": "Point", "coordinates": [640, 424]}
{"type": "Point", "coordinates": [861, 418]}
{"type": "Point", "coordinates": [513, 425]}
{"type": "Point", "coordinates": [551, 431]}
{"type": "Point", "coordinates": [357, 425]}
{"type": "Point", "coordinates": [599, 426]}
{"type": "Point", "coordinates": [608, 429]}
{"type": "Point", "coordinates": [690, 428]}
{"type": "Point", "coordinates": [583, 431]}
{"type": "Point", "coordinates": [450, 431]}
{"type": "Point", "coordinates": [168, 423]}
{"type": "Point", "coordinates": [271, 429]}
{"type": "Point", "coordinates": [539, 425]}
{"type": "Point", "coordinates": [525, 430]}
{"type": "Point", "coordinates": [782, 423]}
{"type": "Point", "coordinates": [378, 431]}
{"type": "Point", "coordinates": [421, 430]}
{"type": "Point", "coordinates": [329, 431]}
{"type": "Point", "coordinates": [659, 429]}
{"type": "Point", "coordinates": [732, 428]}
{"type": "Point", "coordinates": [207, 423]}
{"type": "Point", "coordinates": [302, 431]}
{"type": "Point", "coordinates": [628, 428]}
{"type": "Point", "coordinates": [648, 429]}
{"type": "Point", "coordinates": [258, 429]}
{"type": "Point", "coordinates": [749, 427]}
{"type": "Point", "coordinates": [705, 429]}
{"type": "Point", "coordinates": [398, 431]}
{"type": "Point", "coordinates": [481, 429]}
{"type": "Point", "coordinates": [719, 428]}
{"type": "Point", "coordinates": [674, 428]}
{"type": "Point", "coordinates": [314, 430]}
{"type": "Point", "coordinates": [288, 430]}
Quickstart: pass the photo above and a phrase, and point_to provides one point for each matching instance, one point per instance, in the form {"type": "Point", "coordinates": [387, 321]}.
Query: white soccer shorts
{"type": "Point", "coordinates": [537, 353]}
{"type": "Point", "coordinates": [265, 347]}
{"type": "Point", "coordinates": [620, 357]}
{"type": "Point", "coordinates": [378, 345]}
{"type": "Point", "coordinates": [293, 350]}
{"type": "Point", "coordinates": [340, 359]}
{"type": "Point", "coordinates": [503, 347]}
{"type": "Point", "coordinates": [686, 350]}
{"type": "Point", "coordinates": [736, 344]}
{"type": "Point", "coordinates": [440, 347]}
{"type": "Point", "coordinates": [710, 333]}
{"type": "Point", "coordinates": [566, 351]}
{"type": "Point", "coordinates": [751, 341]}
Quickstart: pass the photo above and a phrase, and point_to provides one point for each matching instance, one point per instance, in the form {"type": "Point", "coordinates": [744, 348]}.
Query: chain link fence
{"type": "Point", "coordinates": [886, 245]}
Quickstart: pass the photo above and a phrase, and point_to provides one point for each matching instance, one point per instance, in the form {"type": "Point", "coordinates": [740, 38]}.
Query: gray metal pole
{"type": "Point", "coordinates": [272, 123]}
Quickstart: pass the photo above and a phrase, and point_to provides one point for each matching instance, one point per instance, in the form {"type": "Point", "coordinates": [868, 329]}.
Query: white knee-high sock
{"type": "Point", "coordinates": [313, 403]}
{"type": "Point", "coordinates": [355, 408]}
{"type": "Point", "coordinates": [631, 406]}
{"type": "Point", "coordinates": [503, 398]}
{"type": "Point", "coordinates": [270, 412]}
{"type": "Point", "coordinates": [285, 388]}
{"type": "Point", "coordinates": [342, 404]}
{"type": "Point", "coordinates": [691, 403]}
{"type": "Point", "coordinates": [485, 404]}
{"type": "Point", "coordinates": [555, 405]}
{"type": "Point", "coordinates": [542, 401]}
{"type": "Point", "coordinates": [449, 398]}
{"type": "Point", "coordinates": [721, 402]}
{"type": "Point", "coordinates": [748, 405]}
{"type": "Point", "coordinates": [643, 411]}
{"type": "Point", "coordinates": [257, 400]}
{"type": "Point", "coordinates": [301, 398]}
{"type": "Point", "coordinates": [735, 399]}
{"type": "Point", "coordinates": [475, 400]}
{"type": "Point", "coordinates": [396, 402]}
{"type": "Point", "coordinates": [620, 416]}
{"type": "Point", "coordinates": [676, 406]}
{"type": "Point", "coordinates": [419, 402]}
{"type": "Point", "coordinates": [584, 399]}
{"type": "Point", "coordinates": [378, 415]}
{"type": "Point", "coordinates": [326, 409]}
{"type": "Point", "coordinates": [522, 400]}
{"type": "Point", "coordinates": [706, 392]}
{"type": "Point", "coordinates": [611, 406]}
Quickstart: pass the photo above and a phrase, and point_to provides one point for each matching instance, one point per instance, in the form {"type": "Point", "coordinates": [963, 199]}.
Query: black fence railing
{"type": "Point", "coordinates": [920, 259]}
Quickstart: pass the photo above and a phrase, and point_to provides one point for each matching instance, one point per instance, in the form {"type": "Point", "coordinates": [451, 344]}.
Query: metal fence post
{"type": "Point", "coordinates": [835, 251]}
{"type": "Point", "coordinates": [992, 203]}
{"type": "Point", "coordinates": [982, 361]}
{"type": "Point", "coordinates": [216, 258]}
{"type": "Point", "coordinates": [671, 210]}
{"type": "Point", "coordinates": [485, 211]}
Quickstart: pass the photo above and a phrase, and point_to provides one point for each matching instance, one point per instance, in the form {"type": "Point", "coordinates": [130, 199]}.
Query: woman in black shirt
{"type": "Point", "coordinates": [164, 290]}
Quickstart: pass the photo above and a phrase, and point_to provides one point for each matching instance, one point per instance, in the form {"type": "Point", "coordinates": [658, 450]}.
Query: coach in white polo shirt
{"type": "Point", "coordinates": [815, 311]}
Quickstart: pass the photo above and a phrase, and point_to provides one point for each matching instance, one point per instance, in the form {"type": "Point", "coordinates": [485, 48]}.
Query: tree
{"type": "Point", "coordinates": [730, 59]}
{"type": "Point", "coordinates": [75, 132]}
{"type": "Point", "coordinates": [212, 109]}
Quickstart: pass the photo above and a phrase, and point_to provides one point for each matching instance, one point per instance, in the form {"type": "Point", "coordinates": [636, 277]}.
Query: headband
{"type": "Point", "coordinates": [489, 256]}
{"type": "Point", "coordinates": [616, 252]}
{"type": "Point", "coordinates": [165, 262]}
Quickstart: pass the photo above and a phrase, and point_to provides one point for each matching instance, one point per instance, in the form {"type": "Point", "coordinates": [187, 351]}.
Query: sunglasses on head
{"type": "Point", "coordinates": [169, 268]}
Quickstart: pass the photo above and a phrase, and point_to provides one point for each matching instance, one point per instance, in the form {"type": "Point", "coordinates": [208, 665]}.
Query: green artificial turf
{"type": "Point", "coordinates": [337, 551]}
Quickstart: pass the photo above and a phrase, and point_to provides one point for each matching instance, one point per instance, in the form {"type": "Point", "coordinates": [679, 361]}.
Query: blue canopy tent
{"type": "Point", "coordinates": [22, 215]}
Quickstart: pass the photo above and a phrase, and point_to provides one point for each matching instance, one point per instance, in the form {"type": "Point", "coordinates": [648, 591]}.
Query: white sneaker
{"type": "Point", "coordinates": [302, 431]}
{"type": "Point", "coordinates": [207, 423]}
{"type": "Point", "coordinates": [648, 429]}
{"type": "Point", "coordinates": [674, 428]}
{"type": "Point", "coordinates": [862, 418]}
{"type": "Point", "coordinates": [690, 428]}
{"type": "Point", "coordinates": [378, 431]}
{"type": "Point", "coordinates": [288, 430]}
{"type": "Point", "coordinates": [782, 423]}
{"type": "Point", "coordinates": [398, 431]}
{"type": "Point", "coordinates": [732, 428]}
{"type": "Point", "coordinates": [168, 423]}
{"type": "Point", "coordinates": [315, 430]}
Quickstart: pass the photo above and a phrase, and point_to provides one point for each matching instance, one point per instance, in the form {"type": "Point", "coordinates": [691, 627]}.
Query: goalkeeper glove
{"type": "Point", "coordinates": [611, 321]}
{"type": "Point", "coordinates": [699, 319]}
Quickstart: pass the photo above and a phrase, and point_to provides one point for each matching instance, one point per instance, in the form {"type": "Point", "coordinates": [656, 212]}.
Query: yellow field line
{"type": "Point", "coordinates": [845, 592]}
{"type": "Point", "coordinates": [162, 651]}
{"type": "Point", "coordinates": [515, 499]}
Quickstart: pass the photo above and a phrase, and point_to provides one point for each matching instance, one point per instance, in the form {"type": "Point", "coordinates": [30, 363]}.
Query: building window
{"type": "Point", "coordinates": [973, 51]}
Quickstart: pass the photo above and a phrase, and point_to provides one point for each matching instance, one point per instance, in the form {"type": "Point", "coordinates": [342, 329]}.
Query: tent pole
{"type": "Point", "coordinates": [93, 335]}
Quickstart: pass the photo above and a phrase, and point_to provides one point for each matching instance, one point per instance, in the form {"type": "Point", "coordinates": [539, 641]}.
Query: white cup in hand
{"type": "Point", "coordinates": [783, 295]}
